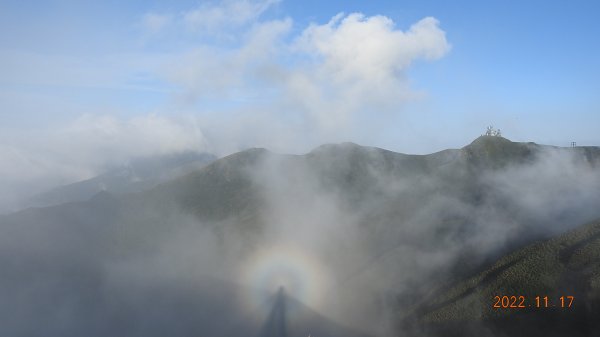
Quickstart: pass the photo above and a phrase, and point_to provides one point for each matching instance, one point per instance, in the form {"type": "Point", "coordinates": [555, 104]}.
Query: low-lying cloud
{"type": "Point", "coordinates": [87, 147]}
{"type": "Point", "coordinates": [357, 234]}
{"type": "Point", "coordinates": [265, 83]}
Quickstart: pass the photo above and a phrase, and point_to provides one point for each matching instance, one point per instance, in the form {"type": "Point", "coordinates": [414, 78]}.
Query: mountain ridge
{"type": "Point", "coordinates": [389, 225]}
{"type": "Point", "coordinates": [136, 175]}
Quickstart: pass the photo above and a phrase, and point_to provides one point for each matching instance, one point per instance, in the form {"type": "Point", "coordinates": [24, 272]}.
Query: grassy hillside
{"type": "Point", "coordinates": [415, 233]}
{"type": "Point", "coordinates": [568, 265]}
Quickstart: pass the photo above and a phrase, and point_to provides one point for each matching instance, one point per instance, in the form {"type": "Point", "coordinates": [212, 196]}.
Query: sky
{"type": "Point", "coordinates": [85, 85]}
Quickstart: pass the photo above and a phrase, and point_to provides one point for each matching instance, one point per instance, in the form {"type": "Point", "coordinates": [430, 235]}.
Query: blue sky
{"type": "Point", "coordinates": [86, 84]}
{"type": "Point", "coordinates": [529, 67]}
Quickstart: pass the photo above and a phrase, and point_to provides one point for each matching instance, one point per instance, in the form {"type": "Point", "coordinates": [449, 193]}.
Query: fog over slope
{"type": "Point", "coordinates": [356, 234]}
{"type": "Point", "coordinates": [564, 266]}
{"type": "Point", "coordinates": [135, 175]}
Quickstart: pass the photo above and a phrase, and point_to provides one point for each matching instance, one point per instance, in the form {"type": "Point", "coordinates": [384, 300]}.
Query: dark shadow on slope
{"type": "Point", "coordinates": [276, 326]}
{"type": "Point", "coordinates": [291, 318]}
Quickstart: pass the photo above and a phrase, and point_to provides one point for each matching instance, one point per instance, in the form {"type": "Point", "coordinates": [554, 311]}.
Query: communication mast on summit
{"type": "Point", "coordinates": [490, 131]}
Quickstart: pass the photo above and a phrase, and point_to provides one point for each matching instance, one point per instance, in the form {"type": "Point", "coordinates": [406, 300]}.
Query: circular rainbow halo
{"type": "Point", "coordinates": [288, 267]}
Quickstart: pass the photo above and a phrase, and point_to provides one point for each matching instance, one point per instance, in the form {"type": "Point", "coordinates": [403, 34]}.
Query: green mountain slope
{"type": "Point", "coordinates": [387, 227]}
{"type": "Point", "coordinates": [567, 265]}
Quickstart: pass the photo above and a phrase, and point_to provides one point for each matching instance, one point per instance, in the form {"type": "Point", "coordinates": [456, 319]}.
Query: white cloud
{"type": "Point", "coordinates": [273, 89]}
{"type": "Point", "coordinates": [229, 14]}
{"type": "Point", "coordinates": [102, 139]}
{"type": "Point", "coordinates": [153, 23]}
{"type": "Point", "coordinates": [329, 76]}
{"type": "Point", "coordinates": [86, 147]}
{"type": "Point", "coordinates": [209, 71]}
{"type": "Point", "coordinates": [370, 49]}
{"type": "Point", "coordinates": [358, 64]}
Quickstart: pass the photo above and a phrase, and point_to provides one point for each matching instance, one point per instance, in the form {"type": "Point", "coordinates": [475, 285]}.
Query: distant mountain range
{"type": "Point", "coordinates": [412, 242]}
{"type": "Point", "coordinates": [138, 175]}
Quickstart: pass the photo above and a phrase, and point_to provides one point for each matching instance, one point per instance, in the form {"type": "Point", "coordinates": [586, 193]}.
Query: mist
{"type": "Point", "coordinates": [286, 224]}
{"type": "Point", "coordinates": [242, 81]}
{"type": "Point", "coordinates": [351, 232]}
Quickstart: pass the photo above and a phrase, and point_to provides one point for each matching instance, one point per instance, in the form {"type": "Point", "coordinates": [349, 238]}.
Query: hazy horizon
{"type": "Point", "coordinates": [145, 98]}
{"type": "Point", "coordinates": [86, 85]}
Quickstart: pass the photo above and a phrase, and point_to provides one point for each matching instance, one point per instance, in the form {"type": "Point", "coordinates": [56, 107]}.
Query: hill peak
{"type": "Point", "coordinates": [336, 147]}
{"type": "Point", "coordinates": [495, 151]}
{"type": "Point", "coordinates": [491, 139]}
